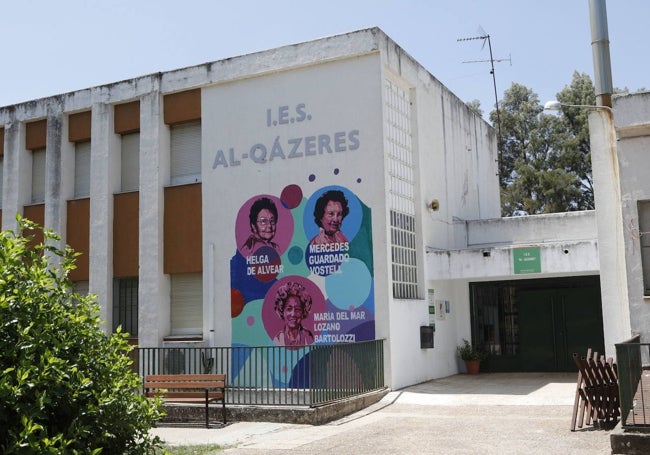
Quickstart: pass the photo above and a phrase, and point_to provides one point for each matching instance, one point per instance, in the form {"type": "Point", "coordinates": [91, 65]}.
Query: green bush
{"type": "Point", "coordinates": [65, 386]}
{"type": "Point", "coordinates": [468, 352]}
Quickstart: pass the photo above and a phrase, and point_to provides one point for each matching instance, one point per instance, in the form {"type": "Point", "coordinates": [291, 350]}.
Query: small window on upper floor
{"type": "Point", "coordinates": [185, 157]}
{"type": "Point", "coordinates": [38, 176]}
{"type": "Point", "coordinates": [130, 162]}
{"type": "Point", "coordinates": [186, 295]}
{"type": "Point", "coordinates": [82, 169]}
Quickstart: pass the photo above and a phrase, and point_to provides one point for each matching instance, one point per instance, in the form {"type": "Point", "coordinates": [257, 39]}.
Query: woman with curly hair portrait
{"type": "Point", "coordinates": [292, 305]}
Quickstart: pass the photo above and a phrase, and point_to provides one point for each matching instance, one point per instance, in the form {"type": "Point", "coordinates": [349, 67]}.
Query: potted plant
{"type": "Point", "coordinates": [472, 356]}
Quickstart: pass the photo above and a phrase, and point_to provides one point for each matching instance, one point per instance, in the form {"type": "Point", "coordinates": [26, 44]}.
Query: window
{"type": "Point", "coordinates": [187, 304]}
{"type": "Point", "coordinates": [38, 176]}
{"type": "Point", "coordinates": [185, 153]}
{"type": "Point", "coordinates": [644, 241]}
{"type": "Point", "coordinates": [401, 192]}
{"type": "Point", "coordinates": [403, 256]}
{"type": "Point", "coordinates": [125, 305]}
{"type": "Point", "coordinates": [130, 162]}
{"type": "Point", "coordinates": [494, 315]}
{"type": "Point", "coordinates": [82, 169]}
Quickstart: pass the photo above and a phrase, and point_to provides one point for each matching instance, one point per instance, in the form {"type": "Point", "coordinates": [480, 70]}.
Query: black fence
{"type": "Point", "coordinates": [633, 383]}
{"type": "Point", "coordinates": [275, 375]}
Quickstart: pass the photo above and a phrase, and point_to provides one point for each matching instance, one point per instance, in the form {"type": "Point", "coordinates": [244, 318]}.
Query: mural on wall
{"type": "Point", "coordinates": [302, 274]}
{"type": "Point", "coordinates": [297, 152]}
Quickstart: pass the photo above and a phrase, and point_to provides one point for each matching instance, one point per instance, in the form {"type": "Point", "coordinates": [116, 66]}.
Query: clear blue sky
{"type": "Point", "coordinates": [51, 47]}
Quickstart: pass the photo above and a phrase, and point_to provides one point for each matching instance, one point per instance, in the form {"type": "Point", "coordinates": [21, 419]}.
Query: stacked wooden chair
{"type": "Point", "coordinates": [597, 396]}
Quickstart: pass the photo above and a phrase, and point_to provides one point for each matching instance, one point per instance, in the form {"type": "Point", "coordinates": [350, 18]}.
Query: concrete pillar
{"type": "Point", "coordinates": [16, 174]}
{"type": "Point", "coordinates": [609, 219]}
{"type": "Point", "coordinates": [54, 205]}
{"type": "Point", "coordinates": [59, 180]}
{"type": "Point", "coordinates": [104, 173]}
{"type": "Point", "coordinates": [154, 286]}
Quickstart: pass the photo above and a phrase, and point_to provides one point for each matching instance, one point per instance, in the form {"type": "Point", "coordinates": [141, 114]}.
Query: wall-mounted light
{"type": "Point", "coordinates": [434, 204]}
{"type": "Point", "coordinates": [555, 105]}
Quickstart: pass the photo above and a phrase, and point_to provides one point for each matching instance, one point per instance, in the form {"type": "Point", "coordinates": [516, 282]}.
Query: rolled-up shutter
{"type": "Point", "coordinates": [38, 176]}
{"type": "Point", "coordinates": [130, 162]}
{"type": "Point", "coordinates": [187, 304]}
{"type": "Point", "coordinates": [185, 153]}
{"type": "Point", "coordinates": [82, 169]}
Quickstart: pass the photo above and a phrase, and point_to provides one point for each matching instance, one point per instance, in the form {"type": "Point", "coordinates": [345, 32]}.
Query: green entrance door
{"type": "Point", "coordinates": [554, 324]}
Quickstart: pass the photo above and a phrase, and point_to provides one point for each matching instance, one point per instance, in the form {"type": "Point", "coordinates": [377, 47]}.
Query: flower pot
{"type": "Point", "coordinates": [472, 366]}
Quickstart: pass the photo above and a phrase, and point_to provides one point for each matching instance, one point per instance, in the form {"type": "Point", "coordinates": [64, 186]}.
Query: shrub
{"type": "Point", "coordinates": [468, 352]}
{"type": "Point", "coordinates": [65, 386]}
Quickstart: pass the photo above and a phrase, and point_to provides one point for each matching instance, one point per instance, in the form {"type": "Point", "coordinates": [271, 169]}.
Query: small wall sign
{"type": "Point", "coordinates": [527, 260]}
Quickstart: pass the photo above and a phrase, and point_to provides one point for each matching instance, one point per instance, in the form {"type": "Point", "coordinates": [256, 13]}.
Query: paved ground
{"type": "Point", "coordinates": [500, 413]}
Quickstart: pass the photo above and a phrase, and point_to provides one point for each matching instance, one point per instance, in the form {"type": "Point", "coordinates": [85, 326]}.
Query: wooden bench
{"type": "Point", "coordinates": [188, 388]}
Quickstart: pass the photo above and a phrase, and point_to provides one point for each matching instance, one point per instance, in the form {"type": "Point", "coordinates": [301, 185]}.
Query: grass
{"type": "Point", "coordinates": [192, 450]}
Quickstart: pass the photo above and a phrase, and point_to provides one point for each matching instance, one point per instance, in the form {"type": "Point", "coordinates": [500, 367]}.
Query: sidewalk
{"type": "Point", "coordinates": [499, 413]}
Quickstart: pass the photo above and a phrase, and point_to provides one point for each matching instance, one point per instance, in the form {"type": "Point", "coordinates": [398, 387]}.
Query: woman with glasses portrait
{"type": "Point", "coordinates": [263, 218]}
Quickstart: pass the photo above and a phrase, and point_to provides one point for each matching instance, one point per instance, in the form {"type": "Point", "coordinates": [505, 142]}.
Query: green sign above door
{"type": "Point", "coordinates": [527, 260]}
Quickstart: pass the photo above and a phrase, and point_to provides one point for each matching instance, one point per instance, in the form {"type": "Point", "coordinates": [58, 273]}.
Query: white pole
{"type": "Point", "coordinates": [609, 220]}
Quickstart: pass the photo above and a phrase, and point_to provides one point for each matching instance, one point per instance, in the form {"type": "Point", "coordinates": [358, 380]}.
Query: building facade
{"type": "Point", "coordinates": [322, 192]}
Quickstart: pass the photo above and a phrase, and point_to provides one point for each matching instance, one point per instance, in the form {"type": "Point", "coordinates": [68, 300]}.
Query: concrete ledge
{"type": "Point", "coordinates": [629, 442]}
{"type": "Point", "coordinates": [317, 415]}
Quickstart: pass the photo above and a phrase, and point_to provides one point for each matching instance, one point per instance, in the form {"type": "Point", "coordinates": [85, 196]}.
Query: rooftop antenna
{"type": "Point", "coordinates": [486, 38]}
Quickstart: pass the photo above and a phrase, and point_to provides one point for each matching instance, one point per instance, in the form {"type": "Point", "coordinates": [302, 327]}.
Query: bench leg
{"type": "Point", "coordinates": [207, 423]}
{"type": "Point", "coordinates": [223, 409]}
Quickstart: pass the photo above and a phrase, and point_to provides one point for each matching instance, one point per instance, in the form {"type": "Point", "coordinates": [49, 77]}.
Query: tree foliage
{"type": "Point", "coordinates": [475, 106]}
{"type": "Point", "coordinates": [65, 387]}
{"type": "Point", "coordinates": [575, 127]}
{"type": "Point", "coordinates": [545, 159]}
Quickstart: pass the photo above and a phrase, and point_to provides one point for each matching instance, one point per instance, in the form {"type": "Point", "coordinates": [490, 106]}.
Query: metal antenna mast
{"type": "Point", "coordinates": [486, 37]}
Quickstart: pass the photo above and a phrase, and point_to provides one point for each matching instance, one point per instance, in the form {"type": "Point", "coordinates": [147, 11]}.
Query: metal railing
{"type": "Point", "coordinates": [274, 375]}
{"type": "Point", "coordinates": [633, 383]}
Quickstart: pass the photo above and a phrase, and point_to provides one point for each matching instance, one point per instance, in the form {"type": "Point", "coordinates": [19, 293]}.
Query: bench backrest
{"type": "Point", "coordinates": [185, 381]}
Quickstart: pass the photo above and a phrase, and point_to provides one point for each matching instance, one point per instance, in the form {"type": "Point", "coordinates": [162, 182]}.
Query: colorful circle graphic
{"type": "Point", "coordinates": [291, 196]}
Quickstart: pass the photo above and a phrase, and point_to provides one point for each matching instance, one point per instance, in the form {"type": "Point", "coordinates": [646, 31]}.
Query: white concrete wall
{"type": "Point", "coordinates": [553, 227]}
{"type": "Point", "coordinates": [567, 241]}
{"type": "Point", "coordinates": [234, 117]}
{"type": "Point", "coordinates": [494, 263]}
{"type": "Point", "coordinates": [455, 164]}
{"type": "Point", "coordinates": [632, 121]}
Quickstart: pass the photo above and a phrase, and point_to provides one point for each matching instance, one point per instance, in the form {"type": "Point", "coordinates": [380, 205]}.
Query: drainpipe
{"type": "Point", "coordinates": [600, 52]}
